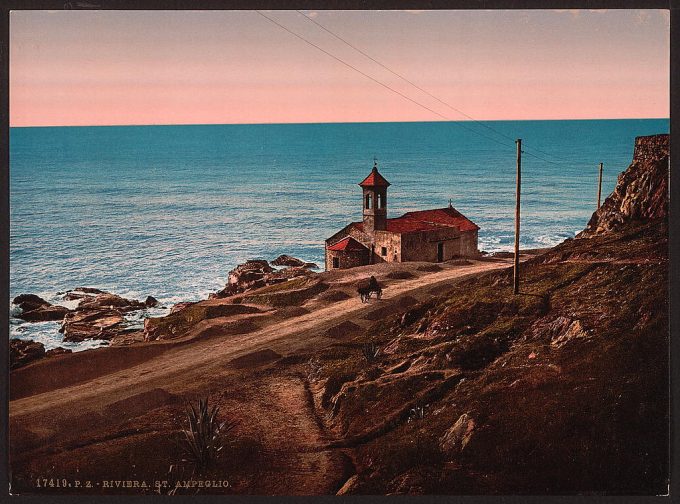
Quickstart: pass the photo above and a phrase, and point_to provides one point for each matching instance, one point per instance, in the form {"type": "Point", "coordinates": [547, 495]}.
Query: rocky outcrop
{"type": "Point", "coordinates": [286, 260]}
{"type": "Point", "coordinates": [22, 352]}
{"type": "Point", "coordinates": [108, 301]}
{"type": "Point", "coordinates": [350, 486]}
{"type": "Point", "coordinates": [181, 306]}
{"type": "Point", "coordinates": [178, 323]}
{"type": "Point", "coordinates": [641, 193]}
{"type": "Point", "coordinates": [99, 314]}
{"type": "Point", "coordinates": [92, 324]}
{"type": "Point", "coordinates": [257, 273]}
{"type": "Point", "coordinates": [558, 330]}
{"type": "Point", "coordinates": [58, 351]}
{"type": "Point", "coordinates": [249, 275]}
{"type": "Point", "coordinates": [151, 302]}
{"type": "Point", "coordinates": [36, 309]}
{"type": "Point", "coordinates": [458, 436]}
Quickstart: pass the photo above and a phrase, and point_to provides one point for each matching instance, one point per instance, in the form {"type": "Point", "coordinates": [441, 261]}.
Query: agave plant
{"type": "Point", "coordinates": [416, 413]}
{"type": "Point", "coordinates": [370, 351]}
{"type": "Point", "coordinates": [204, 439]}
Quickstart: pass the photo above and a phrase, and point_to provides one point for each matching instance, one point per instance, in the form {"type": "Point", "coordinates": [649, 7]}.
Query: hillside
{"type": "Point", "coordinates": [561, 389]}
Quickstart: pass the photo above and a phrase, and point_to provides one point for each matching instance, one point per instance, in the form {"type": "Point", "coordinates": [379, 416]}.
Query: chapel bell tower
{"type": "Point", "coordinates": [374, 201]}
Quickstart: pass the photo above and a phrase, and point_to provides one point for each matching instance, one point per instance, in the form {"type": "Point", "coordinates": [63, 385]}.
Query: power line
{"type": "Point", "coordinates": [404, 78]}
{"type": "Point", "coordinates": [421, 89]}
{"type": "Point", "coordinates": [377, 81]}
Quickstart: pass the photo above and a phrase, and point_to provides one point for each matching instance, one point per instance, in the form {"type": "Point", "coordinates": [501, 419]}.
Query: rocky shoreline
{"type": "Point", "coordinates": [101, 315]}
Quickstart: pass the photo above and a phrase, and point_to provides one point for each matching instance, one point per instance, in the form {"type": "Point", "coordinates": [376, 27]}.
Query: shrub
{"type": "Point", "coordinates": [205, 437]}
{"type": "Point", "coordinates": [370, 351]}
{"type": "Point", "coordinates": [416, 413]}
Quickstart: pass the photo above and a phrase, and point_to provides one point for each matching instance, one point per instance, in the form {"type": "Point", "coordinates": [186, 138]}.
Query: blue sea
{"type": "Point", "coordinates": [169, 210]}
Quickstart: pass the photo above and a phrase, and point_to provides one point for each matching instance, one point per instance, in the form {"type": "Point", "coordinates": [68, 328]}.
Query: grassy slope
{"type": "Point", "coordinates": [586, 416]}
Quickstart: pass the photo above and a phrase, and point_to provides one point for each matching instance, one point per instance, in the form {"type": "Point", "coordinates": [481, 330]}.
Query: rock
{"type": "Point", "coordinates": [248, 275]}
{"type": "Point", "coordinates": [89, 290]}
{"type": "Point", "coordinates": [75, 296]}
{"type": "Point", "coordinates": [151, 302]}
{"type": "Point", "coordinates": [415, 314]}
{"type": "Point", "coordinates": [106, 300]}
{"type": "Point", "coordinates": [350, 486]}
{"type": "Point", "coordinates": [429, 268]}
{"type": "Point", "coordinates": [458, 436]}
{"type": "Point", "coordinates": [459, 262]}
{"type": "Point", "coordinates": [641, 192]}
{"type": "Point", "coordinates": [286, 274]}
{"type": "Point", "coordinates": [286, 260]}
{"type": "Point", "coordinates": [179, 322]}
{"type": "Point", "coordinates": [127, 338]}
{"type": "Point", "coordinates": [36, 309]}
{"type": "Point", "coordinates": [181, 306]}
{"type": "Point", "coordinates": [44, 314]}
{"type": "Point", "coordinates": [334, 296]}
{"type": "Point", "coordinates": [28, 302]}
{"type": "Point", "coordinates": [560, 330]}
{"type": "Point", "coordinates": [22, 352]}
{"type": "Point", "coordinates": [92, 324]}
{"type": "Point", "coordinates": [254, 274]}
{"type": "Point", "coordinates": [249, 271]}
{"type": "Point", "coordinates": [566, 330]}
{"type": "Point", "coordinates": [399, 275]}
{"type": "Point", "coordinates": [58, 351]}
{"type": "Point", "coordinates": [412, 482]}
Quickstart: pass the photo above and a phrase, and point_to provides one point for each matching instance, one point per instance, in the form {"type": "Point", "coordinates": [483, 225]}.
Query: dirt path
{"type": "Point", "coordinates": [188, 367]}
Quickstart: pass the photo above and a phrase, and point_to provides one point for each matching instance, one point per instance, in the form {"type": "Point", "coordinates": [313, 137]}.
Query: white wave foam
{"type": "Point", "coordinates": [14, 310]}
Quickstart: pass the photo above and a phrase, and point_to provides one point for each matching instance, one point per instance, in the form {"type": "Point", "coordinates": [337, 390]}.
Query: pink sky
{"type": "Point", "coordinates": [189, 67]}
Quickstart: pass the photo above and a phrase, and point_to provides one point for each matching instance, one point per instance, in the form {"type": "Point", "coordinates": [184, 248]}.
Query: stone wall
{"type": "Point", "coordinates": [468, 244]}
{"type": "Point", "coordinates": [352, 231]}
{"type": "Point", "coordinates": [423, 246]}
{"type": "Point", "coordinates": [392, 244]}
{"type": "Point", "coordinates": [346, 258]}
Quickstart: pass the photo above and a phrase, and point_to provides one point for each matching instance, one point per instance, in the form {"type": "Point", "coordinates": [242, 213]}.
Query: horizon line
{"type": "Point", "coordinates": [334, 122]}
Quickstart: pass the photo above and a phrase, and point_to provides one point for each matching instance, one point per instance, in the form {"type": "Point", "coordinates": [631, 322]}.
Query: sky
{"type": "Point", "coordinates": [225, 67]}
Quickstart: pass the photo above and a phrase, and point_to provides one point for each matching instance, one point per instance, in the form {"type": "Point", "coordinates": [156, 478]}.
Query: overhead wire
{"type": "Point", "coordinates": [377, 81]}
{"type": "Point", "coordinates": [419, 88]}
{"type": "Point", "coordinates": [397, 92]}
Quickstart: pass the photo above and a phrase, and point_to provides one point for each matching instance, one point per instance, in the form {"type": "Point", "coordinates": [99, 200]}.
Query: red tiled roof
{"type": "Point", "coordinates": [448, 216]}
{"type": "Point", "coordinates": [348, 243]}
{"type": "Point", "coordinates": [427, 220]}
{"type": "Point", "coordinates": [374, 179]}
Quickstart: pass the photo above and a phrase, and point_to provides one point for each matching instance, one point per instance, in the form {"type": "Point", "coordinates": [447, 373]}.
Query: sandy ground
{"type": "Point", "coordinates": [44, 418]}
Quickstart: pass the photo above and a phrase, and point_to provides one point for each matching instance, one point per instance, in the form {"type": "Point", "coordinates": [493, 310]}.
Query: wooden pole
{"type": "Point", "coordinates": [515, 288]}
{"type": "Point", "coordinates": [599, 188]}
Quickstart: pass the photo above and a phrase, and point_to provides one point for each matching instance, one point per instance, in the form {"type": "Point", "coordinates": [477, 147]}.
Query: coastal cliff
{"type": "Point", "coordinates": [641, 193]}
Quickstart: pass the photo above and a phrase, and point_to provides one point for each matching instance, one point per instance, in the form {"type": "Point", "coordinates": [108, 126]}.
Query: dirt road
{"type": "Point", "coordinates": [128, 409]}
{"type": "Point", "coordinates": [185, 368]}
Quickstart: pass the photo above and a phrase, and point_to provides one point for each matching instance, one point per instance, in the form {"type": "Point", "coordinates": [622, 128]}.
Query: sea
{"type": "Point", "coordinates": [167, 211]}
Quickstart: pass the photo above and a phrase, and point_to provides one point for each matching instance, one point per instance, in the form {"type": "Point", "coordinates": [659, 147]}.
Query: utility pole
{"type": "Point", "coordinates": [599, 188]}
{"type": "Point", "coordinates": [515, 288]}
